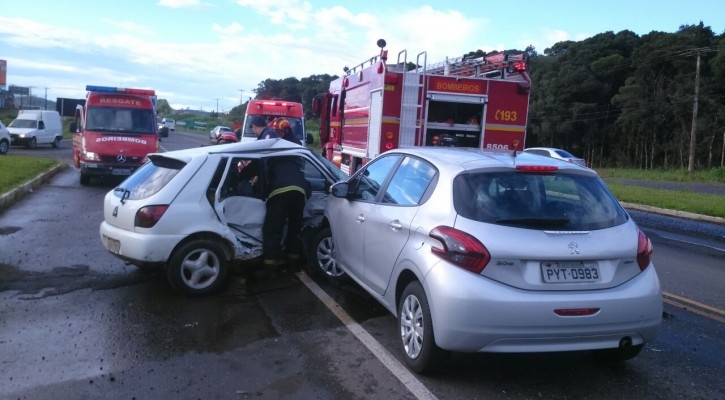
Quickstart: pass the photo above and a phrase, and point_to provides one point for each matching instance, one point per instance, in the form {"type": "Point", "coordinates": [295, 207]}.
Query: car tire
{"type": "Point", "coordinates": [4, 146]}
{"type": "Point", "coordinates": [322, 257]}
{"type": "Point", "coordinates": [32, 143]}
{"type": "Point", "coordinates": [85, 179]}
{"type": "Point", "coordinates": [421, 353]}
{"type": "Point", "coordinates": [56, 142]}
{"type": "Point", "coordinates": [197, 268]}
{"type": "Point", "coordinates": [616, 356]}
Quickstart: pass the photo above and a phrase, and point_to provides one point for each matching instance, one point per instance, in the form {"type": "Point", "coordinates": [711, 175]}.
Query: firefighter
{"type": "Point", "coordinates": [283, 129]}
{"type": "Point", "coordinates": [288, 192]}
{"type": "Point", "coordinates": [260, 128]}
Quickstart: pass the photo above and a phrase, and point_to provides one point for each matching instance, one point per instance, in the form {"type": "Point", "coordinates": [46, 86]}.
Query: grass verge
{"type": "Point", "coordinates": [17, 170]}
{"type": "Point", "coordinates": [696, 203]}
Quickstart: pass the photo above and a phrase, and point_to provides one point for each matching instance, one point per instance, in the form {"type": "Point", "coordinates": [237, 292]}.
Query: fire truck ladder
{"type": "Point", "coordinates": [411, 108]}
{"type": "Point", "coordinates": [482, 66]}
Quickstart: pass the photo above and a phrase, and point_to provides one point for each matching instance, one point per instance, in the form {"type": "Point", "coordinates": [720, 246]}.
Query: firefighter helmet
{"type": "Point", "coordinates": [280, 124]}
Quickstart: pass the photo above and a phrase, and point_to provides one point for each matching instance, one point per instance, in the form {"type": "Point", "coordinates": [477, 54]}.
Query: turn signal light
{"type": "Point", "coordinates": [460, 249]}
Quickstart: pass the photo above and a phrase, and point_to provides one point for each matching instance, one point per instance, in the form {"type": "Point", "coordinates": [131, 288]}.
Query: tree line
{"type": "Point", "coordinates": [616, 99]}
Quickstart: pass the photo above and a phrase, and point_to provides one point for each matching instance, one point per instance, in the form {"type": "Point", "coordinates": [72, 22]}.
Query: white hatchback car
{"type": "Point", "coordinates": [495, 252]}
{"type": "Point", "coordinates": [188, 212]}
{"type": "Point", "coordinates": [4, 139]}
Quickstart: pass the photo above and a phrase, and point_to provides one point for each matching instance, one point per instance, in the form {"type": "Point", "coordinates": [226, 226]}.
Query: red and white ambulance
{"type": "Point", "coordinates": [114, 131]}
{"type": "Point", "coordinates": [271, 109]}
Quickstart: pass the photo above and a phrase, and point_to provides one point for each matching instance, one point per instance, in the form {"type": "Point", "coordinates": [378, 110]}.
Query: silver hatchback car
{"type": "Point", "coordinates": [495, 252]}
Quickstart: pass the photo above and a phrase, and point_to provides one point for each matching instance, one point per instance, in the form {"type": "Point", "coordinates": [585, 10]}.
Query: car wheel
{"type": "Point", "coordinates": [322, 257]}
{"type": "Point", "coordinates": [85, 179]}
{"type": "Point", "coordinates": [32, 143]}
{"type": "Point", "coordinates": [4, 146]}
{"type": "Point", "coordinates": [619, 355]}
{"type": "Point", "coordinates": [197, 268]}
{"type": "Point", "coordinates": [416, 331]}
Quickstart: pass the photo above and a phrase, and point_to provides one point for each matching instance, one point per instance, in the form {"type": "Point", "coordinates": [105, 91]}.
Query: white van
{"type": "Point", "coordinates": [34, 127]}
{"type": "Point", "coordinates": [169, 123]}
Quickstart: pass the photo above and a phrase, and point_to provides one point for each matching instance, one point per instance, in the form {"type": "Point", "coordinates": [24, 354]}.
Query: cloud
{"type": "Point", "coordinates": [180, 3]}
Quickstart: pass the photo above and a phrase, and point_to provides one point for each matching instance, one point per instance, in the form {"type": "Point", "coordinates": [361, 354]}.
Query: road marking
{"type": "Point", "coordinates": [415, 386]}
{"type": "Point", "coordinates": [694, 306]}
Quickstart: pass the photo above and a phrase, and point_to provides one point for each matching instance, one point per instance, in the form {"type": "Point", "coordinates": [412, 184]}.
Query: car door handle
{"type": "Point", "coordinates": [360, 218]}
{"type": "Point", "coordinates": [396, 225]}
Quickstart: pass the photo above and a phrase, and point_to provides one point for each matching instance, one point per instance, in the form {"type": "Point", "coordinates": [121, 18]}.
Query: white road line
{"type": "Point", "coordinates": [415, 386]}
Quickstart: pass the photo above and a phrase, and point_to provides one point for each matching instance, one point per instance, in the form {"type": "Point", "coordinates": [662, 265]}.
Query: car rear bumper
{"type": "Point", "coordinates": [138, 248]}
{"type": "Point", "coordinates": [486, 316]}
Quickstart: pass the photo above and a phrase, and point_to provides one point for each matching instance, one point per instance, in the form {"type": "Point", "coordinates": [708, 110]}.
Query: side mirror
{"type": "Point", "coordinates": [73, 127]}
{"type": "Point", "coordinates": [340, 189]}
{"type": "Point", "coordinates": [310, 139]}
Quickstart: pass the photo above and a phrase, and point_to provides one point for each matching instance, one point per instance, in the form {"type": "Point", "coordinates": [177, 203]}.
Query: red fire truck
{"type": "Point", "coordinates": [114, 131]}
{"type": "Point", "coordinates": [468, 102]}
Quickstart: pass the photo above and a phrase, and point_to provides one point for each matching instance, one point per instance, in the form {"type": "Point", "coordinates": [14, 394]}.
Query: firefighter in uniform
{"type": "Point", "coordinates": [260, 128]}
{"type": "Point", "coordinates": [288, 191]}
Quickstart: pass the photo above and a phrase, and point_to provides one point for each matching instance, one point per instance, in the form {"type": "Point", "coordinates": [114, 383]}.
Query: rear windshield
{"type": "Point", "coordinates": [149, 179]}
{"type": "Point", "coordinates": [560, 201]}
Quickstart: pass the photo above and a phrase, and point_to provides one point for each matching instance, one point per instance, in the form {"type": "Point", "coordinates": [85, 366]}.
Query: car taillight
{"type": "Point", "coordinates": [147, 217]}
{"type": "Point", "coordinates": [644, 251]}
{"type": "Point", "coordinates": [460, 248]}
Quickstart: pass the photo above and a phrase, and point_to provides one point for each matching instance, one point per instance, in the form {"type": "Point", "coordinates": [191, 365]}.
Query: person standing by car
{"type": "Point", "coordinates": [288, 190]}
{"type": "Point", "coordinates": [283, 129]}
{"type": "Point", "coordinates": [260, 128]}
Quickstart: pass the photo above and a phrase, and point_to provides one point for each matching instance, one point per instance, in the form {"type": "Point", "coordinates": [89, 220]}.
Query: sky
{"type": "Point", "coordinates": [212, 54]}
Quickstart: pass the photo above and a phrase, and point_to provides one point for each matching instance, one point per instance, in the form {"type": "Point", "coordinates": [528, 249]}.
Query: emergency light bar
{"type": "Point", "coordinates": [109, 89]}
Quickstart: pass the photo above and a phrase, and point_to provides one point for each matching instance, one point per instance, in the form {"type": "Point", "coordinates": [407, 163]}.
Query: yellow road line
{"type": "Point", "coordinates": [694, 306]}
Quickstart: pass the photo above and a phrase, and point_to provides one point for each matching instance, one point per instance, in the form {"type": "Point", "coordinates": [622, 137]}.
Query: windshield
{"type": "Point", "coordinates": [126, 120]}
{"type": "Point", "coordinates": [24, 123]}
{"type": "Point", "coordinates": [296, 124]}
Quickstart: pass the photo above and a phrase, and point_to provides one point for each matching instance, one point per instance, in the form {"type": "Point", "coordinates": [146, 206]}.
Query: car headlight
{"type": "Point", "coordinates": [89, 155]}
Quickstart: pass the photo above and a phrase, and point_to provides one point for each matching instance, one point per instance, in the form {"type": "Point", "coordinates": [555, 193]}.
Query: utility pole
{"type": "Point", "coordinates": [46, 98]}
{"type": "Point", "coordinates": [693, 129]}
{"type": "Point", "coordinates": [241, 96]}
{"type": "Point", "coordinates": [217, 106]}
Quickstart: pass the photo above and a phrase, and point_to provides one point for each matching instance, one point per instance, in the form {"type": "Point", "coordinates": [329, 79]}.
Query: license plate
{"type": "Point", "coordinates": [121, 172]}
{"type": "Point", "coordinates": [113, 245]}
{"type": "Point", "coordinates": [567, 271]}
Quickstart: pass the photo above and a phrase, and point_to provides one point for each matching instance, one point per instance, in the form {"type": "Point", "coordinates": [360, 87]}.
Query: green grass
{"type": "Point", "coordinates": [712, 175]}
{"type": "Point", "coordinates": [17, 170]}
{"type": "Point", "coordinates": [703, 204]}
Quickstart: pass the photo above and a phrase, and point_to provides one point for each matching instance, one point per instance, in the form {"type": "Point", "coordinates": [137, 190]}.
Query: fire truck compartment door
{"type": "Point", "coordinates": [375, 123]}
{"type": "Point", "coordinates": [458, 98]}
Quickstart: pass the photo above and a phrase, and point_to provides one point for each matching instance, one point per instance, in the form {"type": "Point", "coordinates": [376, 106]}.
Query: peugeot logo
{"type": "Point", "coordinates": [121, 158]}
{"type": "Point", "coordinates": [574, 247]}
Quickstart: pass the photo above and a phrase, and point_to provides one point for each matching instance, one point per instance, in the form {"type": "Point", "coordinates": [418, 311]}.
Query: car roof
{"type": "Point", "coordinates": [241, 148]}
{"type": "Point", "coordinates": [471, 158]}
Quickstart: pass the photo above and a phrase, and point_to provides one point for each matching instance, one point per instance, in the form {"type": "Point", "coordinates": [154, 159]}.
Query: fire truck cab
{"type": "Point", "coordinates": [469, 102]}
{"type": "Point", "coordinates": [113, 131]}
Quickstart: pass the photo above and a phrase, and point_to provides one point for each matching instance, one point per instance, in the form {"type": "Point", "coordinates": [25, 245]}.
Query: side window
{"type": "Point", "coordinates": [314, 176]}
{"type": "Point", "coordinates": [409, 183]}
{"type": "Point", "coordinates": [41, 125]}
{"type": "Point", "coordinates": [367, 183]}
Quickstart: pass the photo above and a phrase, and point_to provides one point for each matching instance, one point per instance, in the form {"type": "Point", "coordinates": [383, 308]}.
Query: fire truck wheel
{"type": "Point", "coordinates": [322, 257]}
{"type": "Point", "coordinates": [197, 268]}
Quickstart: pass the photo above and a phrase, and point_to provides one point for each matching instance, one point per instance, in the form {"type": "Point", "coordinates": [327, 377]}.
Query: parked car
{"type": "Point", "coordinates": [478, 251]}
{"type": "Point", "coordinates": [34, 127]}
{"type": "Point", "coordinates": [217, 131]}
{"type": "Point", "coordinates": [556, 153]}
{"type": "Point", "coordinates": [4, 139]}
{"type": "Point", "coordinates": [188, 212]}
